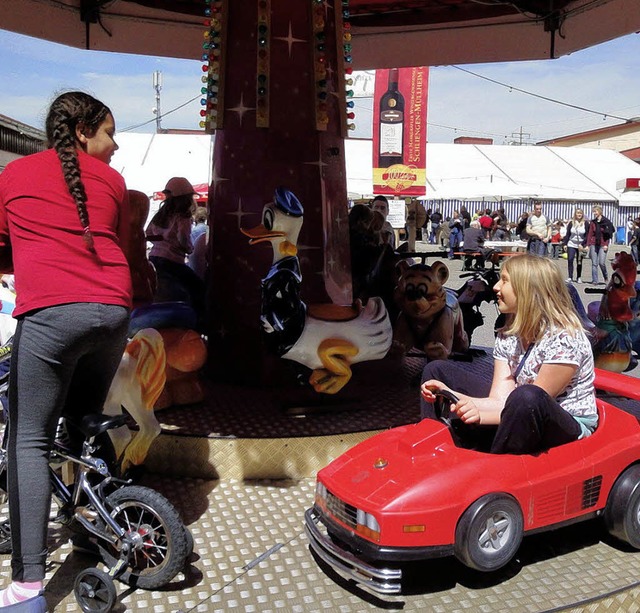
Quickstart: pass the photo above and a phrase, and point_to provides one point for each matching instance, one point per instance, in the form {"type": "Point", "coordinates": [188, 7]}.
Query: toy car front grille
{"type": "Point", "coordinates": [341, 510]}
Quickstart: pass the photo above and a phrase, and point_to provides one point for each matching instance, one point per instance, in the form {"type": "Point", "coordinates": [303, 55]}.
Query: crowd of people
{"type": "Point", "coordinates": [463, 234]}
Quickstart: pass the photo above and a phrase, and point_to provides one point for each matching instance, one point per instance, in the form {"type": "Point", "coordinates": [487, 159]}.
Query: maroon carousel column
{"type": "Point", "coordinates": [276, 100]}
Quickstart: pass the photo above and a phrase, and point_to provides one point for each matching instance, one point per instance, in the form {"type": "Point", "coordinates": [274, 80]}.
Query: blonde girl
{"type": "Point", "coordinates": [541, 394]}
{"type": "Point", "coordinates": [574, 243]}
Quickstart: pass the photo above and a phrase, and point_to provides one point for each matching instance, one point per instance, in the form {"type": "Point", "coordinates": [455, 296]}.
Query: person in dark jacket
{"type": "Point", "coordinates": [598, 237]}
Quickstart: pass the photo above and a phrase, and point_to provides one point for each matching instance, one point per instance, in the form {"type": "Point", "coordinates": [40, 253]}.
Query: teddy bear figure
{"type": "Point", "coordinates": [430, 318]}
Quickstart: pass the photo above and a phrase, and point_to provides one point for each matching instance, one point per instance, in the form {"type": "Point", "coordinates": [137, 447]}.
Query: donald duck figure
{"type": "Point", "coordinates": [326, 338]}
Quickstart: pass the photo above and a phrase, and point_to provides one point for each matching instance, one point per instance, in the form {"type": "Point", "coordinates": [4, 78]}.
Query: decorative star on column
{"type": "Point", "coordinates": [319, 163]}
{"type": "Point", "coordinates": [216, 178]}
{"type": "Point", "coordinates": [338, 221]}
{"type": "Point", "coordinates": [239, 213]}
{"type": "Point", "coordinates": [241, 109]}
{"type": "Point", "coordinates": [290, 39]}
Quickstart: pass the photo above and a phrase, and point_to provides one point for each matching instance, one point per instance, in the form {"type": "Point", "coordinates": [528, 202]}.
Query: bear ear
{"type": "Point", "coordinates": [402, 266]}
{"type": "Point", "coordinates": [441, 271]}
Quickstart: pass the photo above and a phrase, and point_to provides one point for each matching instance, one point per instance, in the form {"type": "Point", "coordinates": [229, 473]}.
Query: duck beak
{"type": "Point", "coordinates": [259, 234]}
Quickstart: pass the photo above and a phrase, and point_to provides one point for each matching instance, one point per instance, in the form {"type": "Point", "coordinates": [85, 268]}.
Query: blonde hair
{"type": "Point", "coordinates": [574, 218]}
{"type": "Point", "coordinates": [543, 300]}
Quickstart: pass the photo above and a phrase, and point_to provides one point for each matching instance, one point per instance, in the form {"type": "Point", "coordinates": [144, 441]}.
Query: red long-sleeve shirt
{"type": "Point", "coordinates": [41, 234]}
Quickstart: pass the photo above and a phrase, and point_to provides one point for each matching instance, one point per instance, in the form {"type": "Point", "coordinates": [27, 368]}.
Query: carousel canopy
{"type": "Point", "coordinates": [386, 33]}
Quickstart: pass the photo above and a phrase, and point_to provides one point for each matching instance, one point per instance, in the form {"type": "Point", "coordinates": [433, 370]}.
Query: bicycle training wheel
{"type": "Point", "coordinates": [95, 591]}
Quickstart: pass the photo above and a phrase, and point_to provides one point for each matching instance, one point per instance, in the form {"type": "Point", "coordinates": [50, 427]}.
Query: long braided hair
{"type": "Point", "coordinates": [66, 113]}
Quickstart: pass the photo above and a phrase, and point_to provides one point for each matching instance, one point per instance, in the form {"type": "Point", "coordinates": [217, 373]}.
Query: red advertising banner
{"type": "Point", "coordinates": [400, 131]}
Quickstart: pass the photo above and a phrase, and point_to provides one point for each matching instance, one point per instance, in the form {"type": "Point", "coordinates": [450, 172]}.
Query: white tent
{"type": "Point", "coordinates": [506, 172]}
{"type": "Point", "coordinates": [148, 161]}
{"type": "Point", "coordinates": [560, 176]}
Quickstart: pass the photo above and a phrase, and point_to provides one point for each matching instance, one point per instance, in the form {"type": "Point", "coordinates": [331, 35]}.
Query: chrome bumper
{"type": "Point", "coordinates": [376, 580]}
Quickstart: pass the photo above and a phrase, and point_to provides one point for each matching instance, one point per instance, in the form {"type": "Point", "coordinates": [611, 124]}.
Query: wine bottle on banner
{"type": "Point", "coordinates": [391, 123]}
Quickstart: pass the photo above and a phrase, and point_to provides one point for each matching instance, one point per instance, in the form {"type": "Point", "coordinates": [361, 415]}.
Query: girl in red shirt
{"type": "Point", "coordinates": [63, 232]}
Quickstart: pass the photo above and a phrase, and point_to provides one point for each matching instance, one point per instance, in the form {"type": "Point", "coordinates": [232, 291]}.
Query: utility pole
{"type": "Point", "coordinates": [520, 136]}
{"type": "Point", "coordinates": [157, 84]}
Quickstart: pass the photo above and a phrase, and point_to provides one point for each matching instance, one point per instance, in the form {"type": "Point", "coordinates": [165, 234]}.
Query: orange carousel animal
{"type": "Point", "coordinates": [158, 370]}
{"type": "Point", "coordinates": [160, 364]}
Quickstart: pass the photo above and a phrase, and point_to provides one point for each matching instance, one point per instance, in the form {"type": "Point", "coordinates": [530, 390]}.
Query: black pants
{"type": "Point", "coordinates": [63, 359]}
{"type": "Point", "coordinates": [531, 420]}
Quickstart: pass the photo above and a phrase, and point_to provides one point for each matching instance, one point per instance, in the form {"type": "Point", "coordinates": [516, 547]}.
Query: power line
{"type": "Point", "coordinates": [555, 101]}
{"type": "Point", "coordinates": [145, 123]}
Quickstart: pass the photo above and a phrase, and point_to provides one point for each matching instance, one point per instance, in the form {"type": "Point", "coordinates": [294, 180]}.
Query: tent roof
{"type": "Point", "coordinates": [148, 161]}
{"type": "Point", "coordinates": [462, 172]}
{"type": "Point", "coordinates": [474, 172]}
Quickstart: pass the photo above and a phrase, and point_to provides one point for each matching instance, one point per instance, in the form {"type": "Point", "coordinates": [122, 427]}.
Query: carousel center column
{"type": "Point", "coordinates": [275, 85]}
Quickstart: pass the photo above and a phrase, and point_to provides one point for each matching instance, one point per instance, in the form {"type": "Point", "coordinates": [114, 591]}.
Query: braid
{"type": "Point", "coordinates": [67, 112]}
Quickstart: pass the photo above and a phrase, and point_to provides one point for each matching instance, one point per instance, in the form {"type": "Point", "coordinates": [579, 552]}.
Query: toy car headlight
{"type": "Point", "coordinates": [367, 525]}
{"type": "Point", "coordinates": [321, 495]}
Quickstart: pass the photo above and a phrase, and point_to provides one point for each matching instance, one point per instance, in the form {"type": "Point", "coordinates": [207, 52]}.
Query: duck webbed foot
{"type": "Point", "coordinates": [335, 355]}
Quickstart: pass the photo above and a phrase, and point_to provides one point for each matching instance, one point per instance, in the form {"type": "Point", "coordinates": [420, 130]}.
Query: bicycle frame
{"type": "Point", "coordinates": [64, 497]}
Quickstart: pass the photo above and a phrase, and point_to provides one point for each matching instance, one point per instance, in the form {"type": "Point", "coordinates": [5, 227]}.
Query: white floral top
{"type": "Point", "coordinates": [556, 347]}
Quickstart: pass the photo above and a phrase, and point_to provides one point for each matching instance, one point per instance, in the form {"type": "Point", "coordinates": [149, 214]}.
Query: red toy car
{"type": "Point", "coordinates": [410, 493]}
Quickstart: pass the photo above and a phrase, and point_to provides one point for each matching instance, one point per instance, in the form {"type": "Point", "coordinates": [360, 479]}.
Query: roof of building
{"type": "Point", "coordinates": [628, 127]}
{"type": "Point", "coordinates": [22, 128]}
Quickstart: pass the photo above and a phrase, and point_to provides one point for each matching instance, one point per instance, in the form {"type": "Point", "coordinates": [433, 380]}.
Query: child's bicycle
{"type": "Point", "coordinates": [139, 534]}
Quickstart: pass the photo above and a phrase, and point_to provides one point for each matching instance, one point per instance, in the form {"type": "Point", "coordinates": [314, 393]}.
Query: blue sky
{"type": "Point", "coordinates": [603, 78]}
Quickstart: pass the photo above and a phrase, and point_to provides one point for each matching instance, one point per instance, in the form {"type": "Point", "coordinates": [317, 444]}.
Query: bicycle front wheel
{"type": "Point", "coordinates": [156, 532]}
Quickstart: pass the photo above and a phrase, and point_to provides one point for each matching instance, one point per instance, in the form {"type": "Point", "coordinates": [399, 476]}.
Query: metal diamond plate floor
{"type": "Point", "coordinates": [251, 555]}
{"type": "Point", "coordinates": [256, 463]}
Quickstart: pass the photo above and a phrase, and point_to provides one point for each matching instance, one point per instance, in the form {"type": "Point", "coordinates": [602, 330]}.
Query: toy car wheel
{"type": "Point", "coordinates": [95, 591]}
{"type": "Point", "coordinates": [489, 532]}
{"type": "Point", "coordinates": [622, 513]}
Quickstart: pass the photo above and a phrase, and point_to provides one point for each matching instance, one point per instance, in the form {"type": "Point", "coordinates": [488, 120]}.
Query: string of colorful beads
{"type": "Point", "coordinates": [320, 64]}
{"type": "Point", "coordinates": [262, 63]}
{"type": "Point", "coordinates": [348, 59]}
{"type": "Point", "coordinates": [212, 57]}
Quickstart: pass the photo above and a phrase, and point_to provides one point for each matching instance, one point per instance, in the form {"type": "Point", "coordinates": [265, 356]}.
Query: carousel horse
{"type": "Point", "coordinates": [327, 338]}
{"type": "Point", "coordinates": [136, 386]}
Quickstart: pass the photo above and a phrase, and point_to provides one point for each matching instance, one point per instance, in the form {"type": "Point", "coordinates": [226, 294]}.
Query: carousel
{"type": "Point", "coordinates": [290, 371]}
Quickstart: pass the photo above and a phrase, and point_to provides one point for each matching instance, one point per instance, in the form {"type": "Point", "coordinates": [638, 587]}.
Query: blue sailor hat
{"type": "Point", "coordinates": [287, 202]}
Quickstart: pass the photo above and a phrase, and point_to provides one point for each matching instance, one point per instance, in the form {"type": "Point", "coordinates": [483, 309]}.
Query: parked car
{"type": "Point", "coordinates": [411, 494]}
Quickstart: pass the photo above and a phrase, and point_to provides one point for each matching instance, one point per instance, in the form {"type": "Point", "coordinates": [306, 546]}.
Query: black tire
{"type": "Point", "coordinates": [489, 533]}
{"type": "Point", "coordinates": [162, 548]}
{"type": "Point", "coordinates": [95, 591]}
{"type": "Point", "coordinates": [622, 513]}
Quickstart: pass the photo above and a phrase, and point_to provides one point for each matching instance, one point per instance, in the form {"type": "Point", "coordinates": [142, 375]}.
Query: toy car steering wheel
{"type": "Point", "coordinates": [442, 408]}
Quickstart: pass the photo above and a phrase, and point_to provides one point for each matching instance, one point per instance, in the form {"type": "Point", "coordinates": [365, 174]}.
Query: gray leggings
{"type": "Point", "coordinates": [63, 360]}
